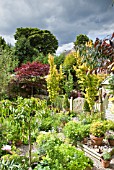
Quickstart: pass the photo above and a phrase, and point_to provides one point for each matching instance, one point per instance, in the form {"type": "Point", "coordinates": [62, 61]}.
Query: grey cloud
{"type": "Point", "coordinates": [64, 18]}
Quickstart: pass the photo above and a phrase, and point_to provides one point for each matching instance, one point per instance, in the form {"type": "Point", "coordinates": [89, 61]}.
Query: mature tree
{"type": "Point", "coordinates": [31, 41]}
{"type": "Point", "coordinates": [100, 55]}
{"type": "Point", "coordinates": [44, 41]}
{"type": "Point", "coordinates": [80, 40]}
{"type": "Point", "coordinates": [7, 64]}
{"type": "Point", "coordinates": [24, 51]}
{"type": "Point", "coordinates": [29, 79]}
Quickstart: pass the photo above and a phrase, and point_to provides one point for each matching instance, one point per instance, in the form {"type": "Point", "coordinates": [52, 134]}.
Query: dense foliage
{"type": "Point", "coordinates": [53, 79]}
{"type": "Point", "coordinates": [29, 79]}
{"type": "Point", "coordinates": [8, 63]}
{"type": "Point", "coordinates": [69, 61]}
{"type": "Point", "coordinates": [80, 40]}
{"type": "Point", "coordinates": [34, 69]}
{"type": "Point", "coordinates": [32, 41]}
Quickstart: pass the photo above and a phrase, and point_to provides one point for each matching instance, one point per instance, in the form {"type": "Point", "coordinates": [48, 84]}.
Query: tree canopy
{"type": "Point", "coordinates": [30, 70]}
{"type": "Point", "coordinates": [29, 80]}
{"type": "Point", "coordinates": [81, 40]}
{"type": "Point", "coordinates": [31, 41]}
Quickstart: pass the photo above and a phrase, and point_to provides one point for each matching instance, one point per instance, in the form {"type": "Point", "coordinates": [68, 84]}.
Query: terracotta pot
{"type": "Point", "coordinates": [105, 163]}
{"type": "Point", "coordinates": [96, 140]}
{"type": "Point", "coordinates": [84, 141]}
{"type": "Point", "coordinates": [111, 142]}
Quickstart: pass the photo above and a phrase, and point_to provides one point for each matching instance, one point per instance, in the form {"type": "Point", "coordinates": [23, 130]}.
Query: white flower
{"type": "Point", "coordinates": [6, 148]}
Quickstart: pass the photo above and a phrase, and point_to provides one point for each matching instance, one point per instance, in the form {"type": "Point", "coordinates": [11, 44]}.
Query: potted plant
{"type": "Point", "coordinates": [110, 137]}
{"type": "Point", "coordinates": [105, 159]}
{"type": "Point", "coordinates": [97, 131]}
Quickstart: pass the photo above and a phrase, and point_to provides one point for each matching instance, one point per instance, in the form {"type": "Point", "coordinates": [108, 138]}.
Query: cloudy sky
{"type": "Point", "coordinates": [64, 18]}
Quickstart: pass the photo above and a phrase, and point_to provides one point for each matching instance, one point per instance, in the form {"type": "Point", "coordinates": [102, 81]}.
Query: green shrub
{"type": "Point", "coordinates": [52, 121]}
{"type": "Point", "coordinates": [75, 131]}
{"type": "Point", "coordinates": [109, 124]}
{"type": "Point", "coordinates": [46, 141]}
{"type": "Point", "coordinates": [88, 118]}
{"type": "Point", "coordinates": [65, 156]}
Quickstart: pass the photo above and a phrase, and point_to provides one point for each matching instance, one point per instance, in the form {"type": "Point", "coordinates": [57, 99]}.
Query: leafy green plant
{"type": "Point", "coordinates": [87, 118]}
{"type": "Point", "coordinates": [13, 162]}
{"type": "Point", "coordinates": [23, 116]}
{"type": "Point", "coordinates": [50, 120]}
{"type": "Point", "coordinates": [47, 120]}
{"type": "Point", "coordinates": [109, 135]}
{"type": "Point", "coordinates": [75, 131]}
{"type": "Point", "coordinates": [109, 125]}
{"type": "Point", "coordinates": [7, 165]}
{"type": "Point", "coordinates": [46, 124]}
{"type": "Point", "coordinates": [106, 156]}
{"type": "Point", "coordinates": [65, 156]}
{"type": "Point", "coordinates": [46, 141]}
{"type": "Point", "coordinates": [63, 117]}
{"type": "Point", "coordinates": [98, 129]}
